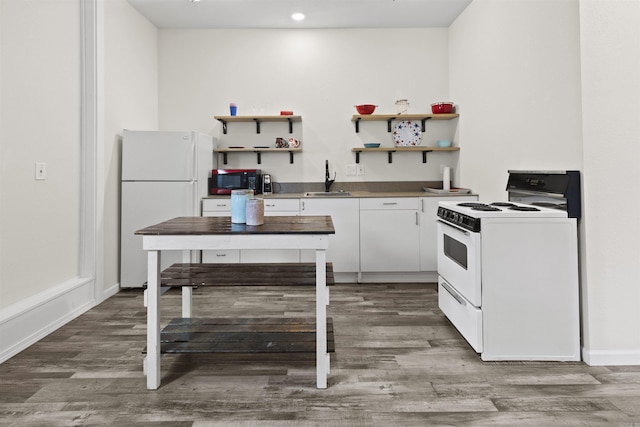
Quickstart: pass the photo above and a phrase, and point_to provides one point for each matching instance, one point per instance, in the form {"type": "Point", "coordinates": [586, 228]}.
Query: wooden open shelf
{"type": "Point", "coordinates": [389, 118]}
{"type": "Point", "coordinates": [390, 150]}
{"type": "Point", "coordinates": [258, 151]}
{"type": "Point", "coordinates": [257, 119]}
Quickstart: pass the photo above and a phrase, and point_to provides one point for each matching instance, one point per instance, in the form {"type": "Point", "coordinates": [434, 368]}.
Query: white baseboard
{"type": "Point", "coordinates": [108, 293]}
{"type": "Point", "coordinates": [611, 357]}
{"type": "Point", "coordinates": [26, 322]}
{"type": "Point", "coordinates": [418, 277]}
{"type": "Point", "coordinates": [392, 277]}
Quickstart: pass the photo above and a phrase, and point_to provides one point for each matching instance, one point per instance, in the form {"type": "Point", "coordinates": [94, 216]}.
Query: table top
{"type": "Point", "coordinates": [213, 225]}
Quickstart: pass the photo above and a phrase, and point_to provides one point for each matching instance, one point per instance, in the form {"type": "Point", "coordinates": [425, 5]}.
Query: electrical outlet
{"type": "Point", "coordinates": [41, 171]}
{"type": "Point", "coordinates": [350, 170]}
{"type": "Point", "coordinates": [360, 169]}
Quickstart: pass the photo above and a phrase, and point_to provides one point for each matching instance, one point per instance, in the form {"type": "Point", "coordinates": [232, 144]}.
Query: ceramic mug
{"type": "Point", "coordinates": [294, 143]}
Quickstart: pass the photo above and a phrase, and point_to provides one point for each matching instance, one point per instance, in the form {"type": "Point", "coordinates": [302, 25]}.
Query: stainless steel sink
{"type": "Point", "coordinates": [327, 194]}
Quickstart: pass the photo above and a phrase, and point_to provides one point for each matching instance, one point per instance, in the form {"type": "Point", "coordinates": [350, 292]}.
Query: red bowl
{"type": "Point", "coordinates": [366, 108]}
{"type": "Point", "coordinates": [442, 107]}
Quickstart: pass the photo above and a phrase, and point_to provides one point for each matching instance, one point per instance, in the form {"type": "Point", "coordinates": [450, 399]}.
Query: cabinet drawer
{"type": "Point", "coordinates": [216, 205]}
{"type": "Point", "coordinates": [465, 317]}
{"type": "Point", "coordinates": [221, 256]}
{"type": "Point", "coordinates": [390, 203]}
{"type": "Point", "coordinates": [282, 205]}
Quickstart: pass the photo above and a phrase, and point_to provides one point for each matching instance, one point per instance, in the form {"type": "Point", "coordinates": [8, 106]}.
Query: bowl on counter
{"type": "Point", "coordinates": [442, 107]}
{"type": "Point", "coordinates": [371, 144]}
{"type": "Point", "coordinates": [366, 108]}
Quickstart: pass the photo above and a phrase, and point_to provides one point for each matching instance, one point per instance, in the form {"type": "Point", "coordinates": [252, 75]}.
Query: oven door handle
{"type": "Point", "coordinates": [462, 230]}
{"type": "Point", "coordinates": [453, 293]}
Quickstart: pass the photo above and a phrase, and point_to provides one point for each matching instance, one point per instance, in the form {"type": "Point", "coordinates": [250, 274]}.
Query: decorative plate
{"type": "Point", "coordinates": [407, 133]}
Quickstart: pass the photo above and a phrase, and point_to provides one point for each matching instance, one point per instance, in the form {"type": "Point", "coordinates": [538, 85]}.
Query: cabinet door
{"type": "Point", "coordinates": [275, 207]}
{"type": "Point", "coordinates": [428, 217]}
{"type": "Point", "coordinates": [344, 246]}
{"type": "Point", "coordinates": [389, 235]}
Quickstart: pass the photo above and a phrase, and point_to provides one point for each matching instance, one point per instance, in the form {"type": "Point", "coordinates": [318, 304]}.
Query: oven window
{"type": "Point", "coordinates": [455, 250]}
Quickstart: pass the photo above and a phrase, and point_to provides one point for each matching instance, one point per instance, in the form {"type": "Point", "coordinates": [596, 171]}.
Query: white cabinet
{"type": "Point", "coordinates": [428, 216]}
{"type": "Point", "coordinates": [344, 248]}
{"type": "Point", "coordinates": [222, 207]}
{"type": "Point", "coordinates": [389, 234]}
{"type": "Point", "coordinates": [275, 207]}
{"type": "Point", "coordinates": [219, 207]}
{"type": "Point", "coordinates": [373, 235]}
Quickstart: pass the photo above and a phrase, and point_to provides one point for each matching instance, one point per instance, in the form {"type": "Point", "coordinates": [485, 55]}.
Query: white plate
{"type": "Point", "coordinates": [407, 133]}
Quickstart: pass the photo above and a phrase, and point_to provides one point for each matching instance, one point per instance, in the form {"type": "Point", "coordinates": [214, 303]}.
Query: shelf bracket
{"type": "Point", "coordinates": [224, 126]}
{"type": "Point", "coordinates": [423, 129]}
{"type": "Point", "coordinates": [257, 125]}
{"type": "Point", "coordinates": [389, 125]}
{"type": "Point", "coordinates": [224, 158]}
{"type": "Point", "coordinates": [259, 157]}
{"type": "Point", "coordinates": [357, 157]}
{"type": "Point", "coordinates": [357, 126]}
{"type": "Point", "coordinates": [424, 155]}
{"type": "Point", "coordinates": [290, 157]}
{"type": "Point", "coordinates": [290, 127]}
{"type": "Point", "coordinates": [390, 156]}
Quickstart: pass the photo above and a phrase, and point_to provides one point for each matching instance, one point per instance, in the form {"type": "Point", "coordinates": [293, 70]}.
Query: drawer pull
{"type": "Point", "coordinates": [454, 294]}
{"type": "Point", "coordinates": [221, 255]}
{"type": "Point", "coordinates": [389, 203]}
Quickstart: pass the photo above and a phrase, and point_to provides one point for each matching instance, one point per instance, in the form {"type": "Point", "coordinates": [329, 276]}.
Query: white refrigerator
{"type": "Point", "coordinates": [164, 175]}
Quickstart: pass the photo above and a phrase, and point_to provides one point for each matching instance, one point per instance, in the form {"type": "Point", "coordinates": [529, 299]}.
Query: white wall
{"type": "Point", "coordinates": [39, 122]}
{"type": "Point", "coordinates": [320, 75]}
{"type": "Point", "coordinates": [610, 46]}
{"type": "Point", "coordinates": [131, 102]}
{"type": "Point", "coordinates": [40, 83]}
{"type": "Point", "coordinates": [515, 71]}
{"type": "Point", "coordinates": [529, 103]}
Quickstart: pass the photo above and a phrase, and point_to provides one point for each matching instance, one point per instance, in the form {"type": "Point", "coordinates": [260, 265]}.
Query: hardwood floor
{"type": "Point", "coordinates": [397, 362]}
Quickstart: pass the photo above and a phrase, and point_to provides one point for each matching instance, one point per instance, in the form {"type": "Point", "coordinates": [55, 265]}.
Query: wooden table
{"type": "Point", "coordinates": [205, 233]}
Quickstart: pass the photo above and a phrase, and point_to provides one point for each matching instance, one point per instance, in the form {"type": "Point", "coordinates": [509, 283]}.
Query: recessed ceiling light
{"type": "Point", "coordinates": [297, 16]}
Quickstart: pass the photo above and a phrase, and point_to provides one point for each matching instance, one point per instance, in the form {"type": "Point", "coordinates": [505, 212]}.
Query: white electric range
{"type": "Point", "coordinates": [508, 275]}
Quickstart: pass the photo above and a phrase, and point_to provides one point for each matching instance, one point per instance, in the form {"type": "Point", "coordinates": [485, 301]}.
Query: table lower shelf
{"type": "Point", "coordinates": [243, 335]}
{"type": "Point", "coordinates": [260, 274]}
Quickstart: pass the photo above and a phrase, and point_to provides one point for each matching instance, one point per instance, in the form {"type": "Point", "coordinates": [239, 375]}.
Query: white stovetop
{"type": "Point", "coordinates": [505, 212]}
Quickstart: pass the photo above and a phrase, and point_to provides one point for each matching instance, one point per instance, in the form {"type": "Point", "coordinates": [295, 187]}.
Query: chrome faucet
{"type": "Point", "coordinates": [327, 177]}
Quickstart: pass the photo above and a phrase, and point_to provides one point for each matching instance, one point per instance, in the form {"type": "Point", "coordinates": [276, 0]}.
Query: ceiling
{"type": "Point", "coordinates": [319, 13]}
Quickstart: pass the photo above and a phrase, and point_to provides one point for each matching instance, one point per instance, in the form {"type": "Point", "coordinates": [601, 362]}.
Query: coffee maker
{"type": "Point", "coordinates": [267, 186]}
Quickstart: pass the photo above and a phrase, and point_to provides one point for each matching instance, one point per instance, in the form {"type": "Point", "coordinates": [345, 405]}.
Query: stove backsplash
{"type": "Point", "coordinates": [554, 189]}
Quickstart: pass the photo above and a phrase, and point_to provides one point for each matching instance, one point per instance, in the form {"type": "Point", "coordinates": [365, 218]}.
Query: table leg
{"type": "Point", "coordinates": [322, 359]}
{"type": "Point", "coordinates": [152, 362]}
{"type": "Point", "coordinates": [186, 290]}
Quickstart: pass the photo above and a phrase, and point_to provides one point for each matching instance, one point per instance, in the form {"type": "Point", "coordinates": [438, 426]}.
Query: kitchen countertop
{"type": "Point", "coordinates": [353, 194]}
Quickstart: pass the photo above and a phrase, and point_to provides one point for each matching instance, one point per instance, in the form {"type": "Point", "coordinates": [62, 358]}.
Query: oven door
{"type": "Point", "coordinates": [459, 260]}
